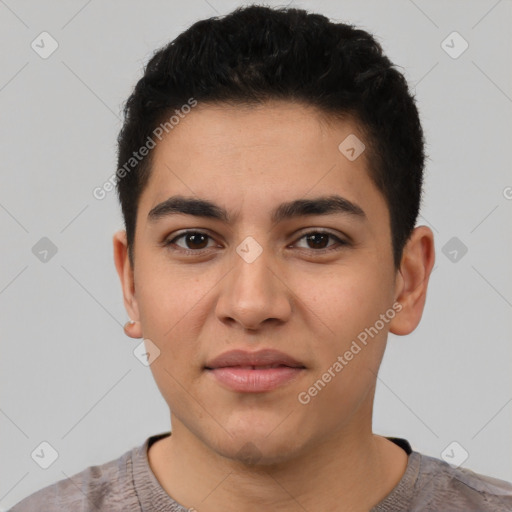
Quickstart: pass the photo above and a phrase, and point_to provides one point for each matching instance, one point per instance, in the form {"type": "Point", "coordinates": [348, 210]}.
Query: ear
{"type": "Point", "coordinates": [412, 280]}
{"type": "Point", "coordinates": [125, 272]}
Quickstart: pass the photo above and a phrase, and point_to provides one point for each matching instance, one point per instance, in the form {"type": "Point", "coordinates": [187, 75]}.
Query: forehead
{"type": "Point", "coordinates": [258, 156]}
{"type": "Point", "coordinates": [285, 129]}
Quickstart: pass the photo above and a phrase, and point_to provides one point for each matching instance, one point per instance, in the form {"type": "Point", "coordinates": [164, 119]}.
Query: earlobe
{"type": "Point", "coordinates": [125, 273]}
{"type": "Point", "coordinates": [132, 329]}
{"type": "Point", "coordinates": [412, 280]}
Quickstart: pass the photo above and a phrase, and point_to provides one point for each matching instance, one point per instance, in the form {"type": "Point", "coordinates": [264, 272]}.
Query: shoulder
{"type": "Point", "coordinates": [440, 486]}
{"type": "Point", "coordinates": [108, 486]}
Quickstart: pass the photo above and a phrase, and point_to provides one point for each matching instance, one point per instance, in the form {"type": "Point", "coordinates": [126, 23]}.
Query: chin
{"type": "Point", "coordinates": [255, 448]}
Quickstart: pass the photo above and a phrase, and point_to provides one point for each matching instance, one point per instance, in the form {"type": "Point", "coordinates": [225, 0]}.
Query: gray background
{"type": "Point", "coordinates": [68, 373]}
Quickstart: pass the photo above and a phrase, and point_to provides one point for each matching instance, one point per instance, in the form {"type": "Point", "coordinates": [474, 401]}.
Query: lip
{"type": "Point", "coordinates": [264, 357]}
{"type": "Point", "coordinates": [254, 372]}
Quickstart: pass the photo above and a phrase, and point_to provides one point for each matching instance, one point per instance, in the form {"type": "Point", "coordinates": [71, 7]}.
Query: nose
{"type": "Point", "coordinates": [254, 294]}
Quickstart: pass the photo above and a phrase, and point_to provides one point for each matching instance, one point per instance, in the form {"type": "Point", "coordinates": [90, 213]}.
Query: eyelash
{"type": "Point", "coordinates": [168, 243]}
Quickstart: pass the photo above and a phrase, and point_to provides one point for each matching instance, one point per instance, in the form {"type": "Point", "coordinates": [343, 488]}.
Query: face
{"type": "Point", "coordinates": [307, 282]}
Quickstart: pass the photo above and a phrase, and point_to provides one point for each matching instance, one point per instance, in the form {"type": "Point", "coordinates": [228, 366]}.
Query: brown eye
{"type": "Point", "coordinates": [319, 241]}
{"type": "Point", "coordinates": [196, 240]}
{"type": "Point", "coordinates": [193, 240]}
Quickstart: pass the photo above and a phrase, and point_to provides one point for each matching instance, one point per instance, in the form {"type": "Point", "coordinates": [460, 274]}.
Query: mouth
{"type": "Point", "coordinates": [254, 367]}
{"type": "Point", "coordinates": [255, 372]}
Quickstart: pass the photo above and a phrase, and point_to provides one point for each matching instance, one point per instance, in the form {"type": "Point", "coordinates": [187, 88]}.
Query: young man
{"type": "Point", "coordinates": [270, 172]}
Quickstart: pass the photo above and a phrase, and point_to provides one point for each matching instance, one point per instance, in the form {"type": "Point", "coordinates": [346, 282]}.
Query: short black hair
{"type": "Point", "coordinates": [256, 54]}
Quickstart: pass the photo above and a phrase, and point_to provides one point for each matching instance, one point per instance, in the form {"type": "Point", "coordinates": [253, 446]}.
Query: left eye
{"type": "Point", "coordinates": [318, 239]}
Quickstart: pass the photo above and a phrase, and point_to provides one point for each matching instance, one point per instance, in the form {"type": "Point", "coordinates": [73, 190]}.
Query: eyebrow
{"type": "Point", "coordinates": [324, 205]}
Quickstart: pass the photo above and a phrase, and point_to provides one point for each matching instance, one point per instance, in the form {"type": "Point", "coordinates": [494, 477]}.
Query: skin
{"type": "Point", "coordinates": [319, 456]}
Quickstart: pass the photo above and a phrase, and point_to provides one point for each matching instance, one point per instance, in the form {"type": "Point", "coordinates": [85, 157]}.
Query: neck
{"type": "Point", "coordinates": [351, 471]}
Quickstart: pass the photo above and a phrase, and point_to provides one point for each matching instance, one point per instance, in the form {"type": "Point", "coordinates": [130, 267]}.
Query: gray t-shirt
{"type": "Point", "coordinates": [128, 484]}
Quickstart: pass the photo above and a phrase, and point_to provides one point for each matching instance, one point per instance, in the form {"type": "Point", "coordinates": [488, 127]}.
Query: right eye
{"type": "Point", "coordinates": [195, 241]}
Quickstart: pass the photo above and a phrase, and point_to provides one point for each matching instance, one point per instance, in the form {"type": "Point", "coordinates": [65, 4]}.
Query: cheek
{"type": "Point", "coordinates": [173, 309]}
{"type": "Point", "coordinates": [166, 296]}
{"type": "Point", "coordinates": [347, 358]}
{"type": "Point", "coordinates": [344, 301]}
{"type": "Point", "coordinates": [345, 305]}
